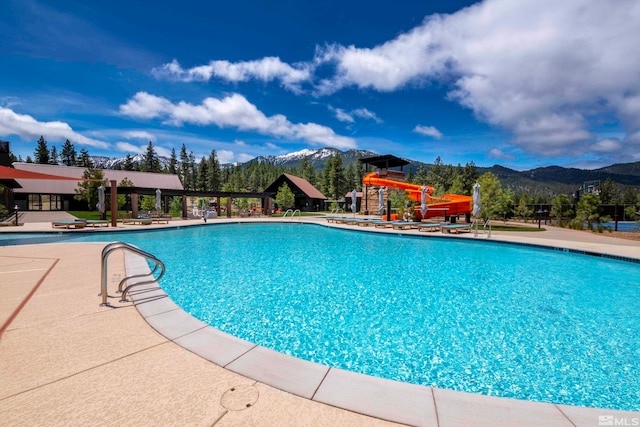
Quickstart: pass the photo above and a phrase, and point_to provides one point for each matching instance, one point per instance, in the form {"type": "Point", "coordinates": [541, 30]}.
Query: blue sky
{"type": "Point", "coordinates": [523, 84]}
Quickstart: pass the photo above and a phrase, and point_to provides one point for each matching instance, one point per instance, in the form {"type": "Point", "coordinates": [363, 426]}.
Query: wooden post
{"type": "Point", "coordinates": [114, 203]}
{"type": "Point", "coordinates": [134, 205]}
{"type": "Point", "coordinates": [184, 206]}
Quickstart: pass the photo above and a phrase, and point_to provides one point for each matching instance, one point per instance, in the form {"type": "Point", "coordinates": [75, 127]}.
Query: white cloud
{"type": "Point", "coordinates": [272, 146]}
{"type": "Point", "coordinates": [129, 148]}
{"type": "Point", "coordinates": [607, 145]}
{"type": "Point", "coordinates": [233, 111]}
{"type": "Point", "coordinates": [541, 69]}
{"type": "Point", "coordinates": [240, 143]}
{"type": "Point", "coordinates": [349, 117]}
{"type": "Point", "coordinates": [497, 153]}
{"type": "Point", "coordinates": [244, 157]}
{"type": "Point", "coordinates": [27, 127]}
{"type": "Point", "coordinates": [428, 131]}
{"type": "Point", "coordinates": [363, 113]}
{"type": "Point", "coordinates": [139, 134]}
{"type": "Point", "coordinates": [225, 156]}
{"type": "Point", "coordinates": [266, 70]}
{"type": "Point", "coordinates": [343, 116]}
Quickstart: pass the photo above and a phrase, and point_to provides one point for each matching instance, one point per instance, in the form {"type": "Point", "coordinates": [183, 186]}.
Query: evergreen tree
{"type": "Point", "coordinates": [53, 155]}
{"type": "Point", "coordinates": [337, 181]}
{"type": "Point", "coordinates": [307, 171]}
{"type": "Point", "coordinates": [128, 164]}
{"type": "Point", "coordinates": [84, 160]}
{"type": "Point", "coordinates": [422, 176]}
{"type": "Point", "coordinates": [201, 180]}
{"type": "Point", "coordinates": [183, 171]}
{"type": "Point", "coordinates": [214, 179]}
{"type": "Point", "coordinates": [359, 171]}
{"type": "Point", "coordinates": [469, 177]}
{"type": "Point", "coordinates": [68, 154]}
{"type": "Point", "coordinates": [41, 154]}
{"type": "Point", "coordinates": [350, 178]}
{"type": "Point", "coordinates": [588, 210]}
{"type": "Point", "coordinates": [608, 193]}
{"type": "Point", "coordinates": [285, 199]}
{"type": "Point", "coordinates": [173, 163]}
{"type": "Point", "coordinates": [561, 209]}
{"type": "Point", "coordinates": [490, 195]}
{"type": "Point", "coordinates": [29, 159]}
{"type": "Point", "coordinates": [88, 190]}
{"type": "Point", "coordinates": [150, 162]}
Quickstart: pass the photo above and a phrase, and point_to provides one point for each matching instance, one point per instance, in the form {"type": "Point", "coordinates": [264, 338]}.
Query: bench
{"type": "Point", "coordinates": [141, 221]}
{"type": "Point", "coordinates": [456, 228]}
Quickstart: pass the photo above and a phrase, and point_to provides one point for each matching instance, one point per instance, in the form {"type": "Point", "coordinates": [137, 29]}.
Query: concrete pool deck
{"type": "Point", "coordinates": [64, 360]}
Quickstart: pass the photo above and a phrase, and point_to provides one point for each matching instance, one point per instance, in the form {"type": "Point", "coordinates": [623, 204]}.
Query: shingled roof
{"type": "Point", "coordinates": [73, 174]}
{"type": "Point", "coordinates": [301, 184]}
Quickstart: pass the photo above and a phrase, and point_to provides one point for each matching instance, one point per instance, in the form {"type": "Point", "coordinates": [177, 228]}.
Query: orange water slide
{"type": "Point", "coordinates": [449, 204]}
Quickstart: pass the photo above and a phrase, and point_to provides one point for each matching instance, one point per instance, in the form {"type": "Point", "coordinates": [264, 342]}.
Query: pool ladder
{"type": "Point", "coordinates": [151, 278]}
{"type": "Point", "coordinates": [293, 213]}
{"type": "Point", "coordinates": [487, 224]}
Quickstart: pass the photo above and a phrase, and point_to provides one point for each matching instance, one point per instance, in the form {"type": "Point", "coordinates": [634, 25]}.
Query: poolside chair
{"type": "Point", "coordinates": [68, 224]}
{"type": "Point", "coordinates": [456, 228]}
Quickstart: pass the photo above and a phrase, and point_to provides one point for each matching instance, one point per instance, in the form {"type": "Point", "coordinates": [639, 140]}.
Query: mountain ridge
{"type": "Point", "coordinates": [539, 180]}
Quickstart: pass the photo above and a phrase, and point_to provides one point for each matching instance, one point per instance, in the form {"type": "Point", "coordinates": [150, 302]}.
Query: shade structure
{"type": "Point", "coordinates": [158, 200]}
{"type": "Point", "coordinates": [477, 207]}
{"type": "Point", "coordinates": [101, 206]}
{"type": "Point", "coordinates": [354, 201]}
{"type": "Point", "coordinates": [381, 200]}
{"type": "Point", "coordinates": [423, 201]}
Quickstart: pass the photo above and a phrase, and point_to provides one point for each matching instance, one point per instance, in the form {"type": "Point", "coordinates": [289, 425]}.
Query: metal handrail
{"type": "Point", "coordinates": [487, 223]}
{"type": "Point", "coordinates": [285, 214]}
{"type": "Point", "coordinates": [114, 246]}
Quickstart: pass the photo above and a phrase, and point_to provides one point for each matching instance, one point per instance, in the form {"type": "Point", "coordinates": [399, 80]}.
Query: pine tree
{"type": "Point", "coordinates": [201, 180]}
{"type": "Point", "coordinates": [41, 154]}
{"type": "Point", "coordinates": [128, 164]}
{"type": "Point", "coordinates": [151, 162]}
{"type": "Point", "coordinates": [183, 172]}
{"type": "Point", "coordinates": [68, 154]}
{"type": "Point", "coordinates": [307, 171]}
{"type": "Point", "coordinates": [53, 155]}
{"type": "Point", "coordinates": [84, 161]}
{"type": "Point", "coordinates": [88, 190]}
{"type": "Point", "coordinates": [214, 182]}
{"type": "Point", "coordinates": [173, 163]}
{"type": "Point", "coordinates": [337, 182]}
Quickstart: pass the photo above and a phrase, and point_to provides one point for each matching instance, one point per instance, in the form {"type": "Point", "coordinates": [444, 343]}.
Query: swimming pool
{"type": "Point", "coordinates": [473, 316]}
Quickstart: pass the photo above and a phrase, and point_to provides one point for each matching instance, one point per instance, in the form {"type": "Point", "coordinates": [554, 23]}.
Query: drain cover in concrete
{"type": "Point", "coordinates": [239, 397]}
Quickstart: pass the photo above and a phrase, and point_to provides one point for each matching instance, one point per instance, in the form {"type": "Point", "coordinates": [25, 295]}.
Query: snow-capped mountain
{"type": "Point", "coordinates": [103, 162]}
{"type": "Point", "coordinates": [318, 158]}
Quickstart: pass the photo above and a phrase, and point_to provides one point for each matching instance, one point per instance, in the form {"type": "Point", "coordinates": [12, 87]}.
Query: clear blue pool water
{"type": "Point", "coordinates": [480, 317]}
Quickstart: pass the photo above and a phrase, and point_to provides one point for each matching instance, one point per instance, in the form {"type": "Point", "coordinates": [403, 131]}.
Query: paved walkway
{"type": "Point", "coordinates": [64, 360]}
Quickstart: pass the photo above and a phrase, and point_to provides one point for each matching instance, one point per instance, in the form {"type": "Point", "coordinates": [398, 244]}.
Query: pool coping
{"type": "Point", "coordinates": [373, 396]}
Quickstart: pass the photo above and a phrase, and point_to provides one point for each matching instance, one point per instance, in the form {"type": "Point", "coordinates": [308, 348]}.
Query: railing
{"type": "Point", "coordinates": [486, 224]}
{"type": "Point", "coordinates": [112, 247]}
{"type": "Point", "coordinates": [293, 213]}
{"type": "Point", "coordinates": [336, 211]}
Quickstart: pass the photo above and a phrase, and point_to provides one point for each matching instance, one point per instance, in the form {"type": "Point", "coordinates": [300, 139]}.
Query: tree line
{"type": "Point", "coordinates": [335, 179]}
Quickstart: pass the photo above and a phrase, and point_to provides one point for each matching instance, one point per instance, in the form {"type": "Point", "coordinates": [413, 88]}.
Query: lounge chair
{"type": "Point", "coordinates": [429, 226]}
{"type": "Point", "coordinates": [404, 225]}
{"type": "Point", "coordinates": [141, 221]}
{"type": "Point", "coordinates": [68, 224]}
{"type": "Point", "coordinates": [97, 223]}
{"type": "Point", "coordinates": [456, 228]}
